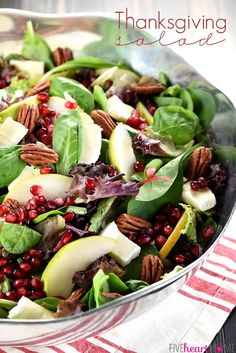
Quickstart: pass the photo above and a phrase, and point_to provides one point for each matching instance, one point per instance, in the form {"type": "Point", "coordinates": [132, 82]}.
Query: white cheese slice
{"type": "Point", "coordinates": [125, 250]}
{"type": "Point", "coordinates": [202, 200]}
{"type": "Point", "coordinates": [11, 132]}
{"type": "Point", "coordinates": [119, 110]}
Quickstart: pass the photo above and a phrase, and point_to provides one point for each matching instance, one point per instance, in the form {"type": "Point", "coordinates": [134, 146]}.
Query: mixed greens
{"type": "Point", "coordinates": [107, 180]}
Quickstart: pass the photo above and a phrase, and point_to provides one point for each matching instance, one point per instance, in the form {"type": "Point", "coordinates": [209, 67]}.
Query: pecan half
{"type": "Point", "coordinates": [38, 154]}
{"type": "Point", "coordinates": [199, 162]}
{"type": "Point", "coordinates": [148, 85]}
{"type": "Point", "coordinates": [104, 120]}
{"type": "Point", "coordinates": [77, 294]}
{"type": "Point", "coordinates": [62, 55]}
{"type": "Point", "coordinates": [40, 87]}
{"type": "Point", "coordinates": [28, 116]}
{"type": "Point", "coordinates": [131, 224]}
{"type": "Point", "coordinates": [12, 204]}
{"type": "Point", "coordinates": [151, 269]}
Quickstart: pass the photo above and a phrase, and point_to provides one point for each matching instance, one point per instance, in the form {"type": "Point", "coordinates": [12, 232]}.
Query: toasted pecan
{"type": "Point", "coordinates": [131, 224]}
{"type": "Point", "coordinates": [38, 154]}
{"type": "Point", "coordinates": [40, 87]}
{"type": "Point", "coordinates": [104, 120]}
{"type": "Point", "coordinates": [12, 204]}
{"type": "Point", "coordinates": [62, 55]}
{"type": "Point", "coordinates": [151, 269]}
{"type": "Point", "coordinates": [148, 85]}
{"type": "Point", "coordinates": [199, 162]}
{"type": "Point", "coordinates": [28, 116]}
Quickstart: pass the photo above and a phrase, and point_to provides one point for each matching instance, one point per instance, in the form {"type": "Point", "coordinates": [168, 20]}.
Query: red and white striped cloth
{"type": "Point", "coordinates": [185, 321]}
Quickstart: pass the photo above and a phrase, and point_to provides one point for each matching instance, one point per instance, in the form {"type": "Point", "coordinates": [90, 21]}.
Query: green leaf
{"type": "Point", "coordinates": [100, 284]}
{"type": "Point", "coordinates": [155, 163]}
{"type": "Point", "coordinates": [60, 85]}
{"type": "Point", "coordinates": [204, 106]}
{"type": "Point", "coordinates": [5, 285]}
{"type": "Point", "coordinates": [17, 239]}
{"type": "Point", "coordinates": [10, 164]}
{"type": "Point", "coordinates": [177, 122]}
{"type": "Point", "coordinates": [135, 284]}
{"type": "Point", "coordinates": [100, 97]}
{"type": "Point", "coordinates": [98, 219]}
{"type": "Point", "coordinates": [60, 211]}
{"type": "Point", "coordinates": [49, 303]}
{"type": "Point", "coordinates": [116, 285]}
{"type": "Point", "coordinates": [187, 101]}
{"type": "Point", "coordinates": [35, 47]}
{"type": "Point", "coordinates": [171, 91]}
{"type": "Point", "coordinates": [164, 78]}
{"type": "Point", "coordinates": [104, 156]}
{"type": "Point", "coordinates": [190, 228]}
{"type": "Point", "coordinates": [3, 313]}
{"type": "Point", "coordinates": [167, 101]}
{"type": "Point", "coordinates": [7, 304]}
{"type": "Point", "coordinates": [67, 140]}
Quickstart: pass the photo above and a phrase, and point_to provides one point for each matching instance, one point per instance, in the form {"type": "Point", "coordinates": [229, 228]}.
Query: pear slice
{"type": "Point", "coordinates": [31, 67]}
{"type": "Point", "coordinates": [75, 256]}
{"type": "Point", "coordinates": [54, 185]}
{"type": "Point", "coordinates": [27, 309]}
{"type": "Point", "coordinates": [11, 132]}
{"type": "Point", "coordinates": [92, 143]}
{"type": "Point", "coordinates": [121, 152]}
{"type": "Point", "coordinates": [14, 109]}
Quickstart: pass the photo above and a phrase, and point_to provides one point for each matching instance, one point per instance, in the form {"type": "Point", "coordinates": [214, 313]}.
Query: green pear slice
{"type": "Point", "coordinates": [54, 185]}
{"type": "Point", "coordinates": [121, 153]}
{"type": "Point", "coordinates": [92, 143]}
{"type": "Point", "coordinates": [27, 309]}
{"type": "Point", "coordinates": [75, 256]}
{"type": "Point", "coordinates": [31, 67]}
{"type": "Point", "coordinates": [14, 109]}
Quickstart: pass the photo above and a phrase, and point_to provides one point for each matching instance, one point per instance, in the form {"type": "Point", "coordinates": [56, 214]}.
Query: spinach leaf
{"type": "Point", "coordinates": [17, 239]}
{"type": "Point", "coordinates": [60, 211]}
{"type": "Point", "coordinates": [100, 284]}
{"type": "Point", "coordinates": [98, 219]}
{"type": "Point", "coordinates": [7, 304]}
{"type": "Point", "coordinates": [3, 313]}
{"type": "Point", "coordinates": [187, 101]}
{"type": "Point", "coordinates": [116, 285]}
{"type": "Point", "coordinates": [155, 163]}
{"type": "Point", "coordinates": [167, 101]}
{"type": "Point", "coordinates": [49, 303]}
{"type": "Point", "coordinates": [60, 85]}
{"type": "Point", "coordinates": [204, 106]}
{"type": "Point", "coordinates": [5, 285]}
{"type": "Point", "coordinates": [67, 140]}
{"type": "Point", "coordinates": [100, 97]}
{"type": "Point", "coordinates": [154, 194]}
{"type": "Point", "coordinates": [164, 78]}
{"type": "Point", "coordinates": [135, 284]}
{"type": "Point", "coordinates": [181, 124]}
{"type": "Point", "coordinates": [10, 164]}
{"type": "Point", "coordinates": [171, 91]}
{"type": "Point", "coordinates": [35, 47]}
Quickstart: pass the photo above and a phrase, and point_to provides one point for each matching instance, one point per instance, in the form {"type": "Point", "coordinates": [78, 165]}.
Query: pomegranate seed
{"type": "Point", "coordinates": [22, 291]}
{"type": "Point", "coordinates": [111, 171]}
{"type": "Point", "coordinates": [50, 129]}
{"type": "Point", "coordinates": [208, 232]}
{"type": "Point", "coordinates": [19, 274]}
{"type": "Point", "coordinates": [36, 261]}
{"type": "Point", "coordinates": [139, 166]}
{"type": "Point", "coordinates": [43, 97]}
{"type": "Point", "coordinates": [203, 183]}
{"type": "Point", "coordinates": [11, 295]}
{"type": "Point", "coordinates": [194, 185]}
{"type": "Point", "coordinates": [18, 283]}
{"type": "Point", "coordinates": [176, 213]}
{"type": "Point", "coordinates": [1, 276]}
{"type": "Point", "coordinates": [188, 257]}
{"type": "Point", "coordinates": [67, 237]}
{"type": "Point", "coordinates": [161, 218]}
{"type": "Point", "coordinates": [31, 204]}
{"type": "Point", "coordinates": [41, 200]}
{"type": "Point", "coordinates": [36, 284]}
{"type": "Point", "coordinates": [58, 201]}
{"type": "Point", "coordinates": [27, 283]}
{"type": "Point", "coordinates": [167, 209]}
{"type": "Point", "coordinates": [135, 113]}
{"type": "Point", "coordinates": [68, 216]}
{"type": "Point", "coordinates": [132, 237]}
{"type": "Point", "coordinates": [196, 250]}
{"type": "Point", "coordinates": [158, 228]}
{"type": "Point", "coordinates": [144, 240]}
{"type": "Point", "coordinates": [133, 122]}
{"type": "Point", "coordinates": [11, 217]}
{"type": "Point", "coordinates": [36, 190]}
{"type": "Point", "coordinates": [58, 246]}
{"type": "Point", "coordinates": [48, 112]}
{"type": "Point", "coordinates": [90, 183]}
{"type": "Point", "coordinates": [46, 170]}
{"type": "Point", "coordinates": [41, 209]}
{"type": "Point", "coordinates": [41, 132]}
{"type": "Point", "coordinates": [20, 213]}
{"type": "Point", "coordinates": [35, 252]}
{"type": "Point", "coordinates": [32, 214]}
{"type": "Point", "coordinates": [8, 270]}
{"type": "Point", "coordinates": [47, 121]}
{"type": "Point", "coordinates": [37, 295]}
{"type": "Point", "coordinates": [46, 139]}
{"type": "Point", "coordinates": [167, 229]}
{"type": "Point", "coordinates": [152, 110]}
{"type": "Point", "coordinates": [148, 231]}
{"type": "Point", "coordinates": [42, 107]}
{"type": "Point", "coordinates": [150, 172]}
{"type": "Point", "coordinates": [3, 261]}
{"type": "Point", "coordinates": [71, 105]}
{"type": "Point", "coordinates": [50, 205]}
{"type": "Point", "coordinates": [179, 259]}
{"type": "Point", "coordinates": [160, 241]}
{"type": "Point", "coordinates": [25, 267]}
{"type": "Point", "coordinates": [69, 201]}
{"type": "Point", "coordinates": [3, 210]}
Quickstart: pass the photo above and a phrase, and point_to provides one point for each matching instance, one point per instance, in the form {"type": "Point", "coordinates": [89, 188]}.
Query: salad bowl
{"type": "Point", "coordinates": [95, 35]}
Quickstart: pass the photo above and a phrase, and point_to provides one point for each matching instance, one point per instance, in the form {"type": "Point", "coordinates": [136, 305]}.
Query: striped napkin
{"type": "Point", "coordinates": [186, 321]}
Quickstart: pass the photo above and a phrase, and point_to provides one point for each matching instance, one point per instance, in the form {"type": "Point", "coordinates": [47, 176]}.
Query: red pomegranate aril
{"type": "Point", "coordinates": [48, 112]}
{"type": "Point", "coordinates": [179, 259]}
{"type": "Point", "coordinates": [25, 267]}
{"type": "Point", "coordinates": [203, 183]}
{"type": "Point", "coordinates": [43, 97]}
{"type": "Point", "coordinates": [176, 213]}
{"type": "Point", "coordinates": [3, 261]}
{"type": "Point", "coordinates": [11, 295]}
{"type": "Point", "coordinates": [152, 110]}
{"type": "Point", "coordinates": [68, 216]}
{"type": "Point", "coordinates": [27, 283]}
{"type": "Point", "coordinates": [71, 105]}
{"type": "Point", "coordinates": [36, 284]}
{"type": "Point", "coordinates": [3, 210]}
{"type": "Point", "coordinates": [160, 241]}
{"type": "Point", "coordinates": [35, 252]}
{"type": "Point", "coordinates": [36, 261]}
{"type": "Point", "coordinates": [133, 122]}
{"type": "Point", "coordinates": [58, 201]}
{"type": "Point", "coordinates": [20, 213]}
{"type": "Point", "coordinates": [19, 274]}
{"type": "Point", "coordinates": [208, 232]}
{"type": "Point", "coordinates": [41, 132]}
{"type": "Point", "coordinates": [67, 237]}
{"type": "Point", "coordinates": [8, 270]}
{"type": "Point", "coordinates": [41, 209]}
{"type": "Point", "coordinates": [11, 217]}
{"type": "Point", "coordinates": [132, 237]}
{"type": "Point", "coordinates": [188, 257]}
{"type": "Point", "coordinates": [142, 127]}
{"type": "Point", "coordinates": [144, 240]}
{"type": "Point", "coordinates": [194, 185]}
{"type": "Point", "coordinates": [167, 230]}
{"type": "Point", "coordinates": [37, 295]}
{"type": "Point", "coordinates": [158, 227]}
{"type": "Point", "coordinates": [47, 122]}
{"type": "Point", "coordinates": [148, 231]}
{"type": "Point", "coordinates": [18, 283]}
{"type": "Point", "coordinates": [22, 291]}
{"type": "Point", "coordinates": [46, 139]}
{"type": "Point", "coordinates": [196, 250]}
{"type": "Point", "coordinates": [111, 171]}
{"type": "Point", "coordinates": [36, 190]}
{"type": "Point", "coordinates": [161, 218]}
{"type": "Point", "coordinates": [135, 113]}
{"type": "Point", "coordinates": [42, 107]}
{"type": "Point", "coordinates": [32, 214]}
{"type": "Point", "coordinates": [46, 170]}
{"type": "Point", "coordinates": [40, 200]}
{"type": "Point", "coordinates": [139, 166]}
{"type": "Point", "coordinates": [69, 201]}
{"type": "Point", "coordinates": [167, 209]}
{"type": "Point", "coordinates": [90, 183]}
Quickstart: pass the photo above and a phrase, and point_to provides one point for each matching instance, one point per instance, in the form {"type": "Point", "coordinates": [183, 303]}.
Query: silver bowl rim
{"type": "Point", "coordinates": [142, 292]}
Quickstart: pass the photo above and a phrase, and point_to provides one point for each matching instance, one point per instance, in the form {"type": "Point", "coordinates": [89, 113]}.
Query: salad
{"type": "Point", "coordinates": [107, 180]}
